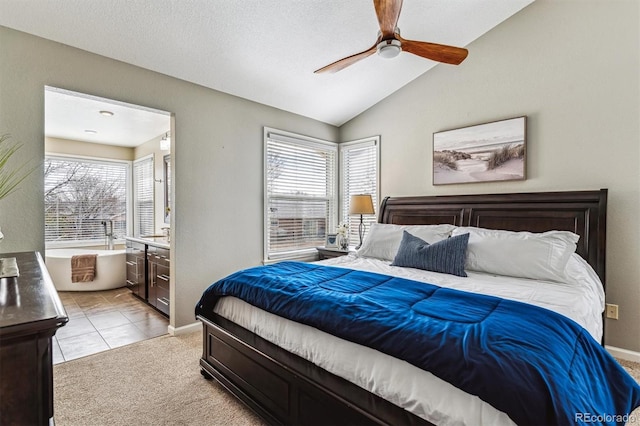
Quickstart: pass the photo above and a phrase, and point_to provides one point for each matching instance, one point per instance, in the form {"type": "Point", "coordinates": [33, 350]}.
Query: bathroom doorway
{"type": "Point", "coordinates": [104, 161]}
{"type": "Point", "coordinates": [105, 179]}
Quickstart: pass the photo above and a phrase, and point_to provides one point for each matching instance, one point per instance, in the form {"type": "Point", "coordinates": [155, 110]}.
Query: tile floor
{"type": "Point", "coordinates": [102, 320]}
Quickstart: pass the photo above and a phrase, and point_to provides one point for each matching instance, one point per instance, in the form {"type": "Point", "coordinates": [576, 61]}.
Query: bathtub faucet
{"type": "Point", "coordinates": [108, 232]}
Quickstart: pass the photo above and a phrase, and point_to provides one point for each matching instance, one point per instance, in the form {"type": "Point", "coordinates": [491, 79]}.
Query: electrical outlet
{"type": "Point", "coordinates": [612, 311]}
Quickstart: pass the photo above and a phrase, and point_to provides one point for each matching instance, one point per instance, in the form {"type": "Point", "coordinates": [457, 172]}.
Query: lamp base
{"type": "Point", "coordinates": [360, 232]}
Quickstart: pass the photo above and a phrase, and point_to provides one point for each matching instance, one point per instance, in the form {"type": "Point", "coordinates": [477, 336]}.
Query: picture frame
{"type": "Point", "coordinates": [487, 152]}
{"type": "Point", "coordinates": [331, 241]}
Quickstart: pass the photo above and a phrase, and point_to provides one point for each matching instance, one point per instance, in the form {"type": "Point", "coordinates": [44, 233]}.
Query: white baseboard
{"type": "Point", "coordinates": [185, 329]}
{"type": "Point", "coordinates": [623, 353]}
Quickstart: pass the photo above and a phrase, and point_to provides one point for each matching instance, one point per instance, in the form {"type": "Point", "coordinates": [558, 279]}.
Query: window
{"type": "Point", "coordinates": [300, 193]}
{"type": "Point", "coordinates": [359, 175]}
{"type": "Point", "coordinates": [81, 193]}
{"type": "Point", "coordinates": [143, 201]}
{"type": "Point", "coordinates": [167, 188]}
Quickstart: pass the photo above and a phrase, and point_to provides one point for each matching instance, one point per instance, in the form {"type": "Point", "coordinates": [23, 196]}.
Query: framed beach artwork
{"type": "Point", "coordinates": [486, 152]}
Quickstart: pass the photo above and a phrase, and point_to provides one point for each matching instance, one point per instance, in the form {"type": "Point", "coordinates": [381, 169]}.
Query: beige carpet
{"type": "Point", "coordinates": [157, 382]}
{"type": "Point", "coordinates": [154, 382]}
{"type": "Point", "coordinates": [632, 368]}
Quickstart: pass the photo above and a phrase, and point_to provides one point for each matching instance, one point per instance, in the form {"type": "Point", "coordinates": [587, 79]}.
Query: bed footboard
{"type": "Point", "coordinates": [283, 388]}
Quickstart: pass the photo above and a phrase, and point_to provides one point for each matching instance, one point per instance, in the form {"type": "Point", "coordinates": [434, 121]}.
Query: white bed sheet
{"type": "Point", "coordinates": [399, 382]}
{"type": "Point", "coordinates": [581, 298]}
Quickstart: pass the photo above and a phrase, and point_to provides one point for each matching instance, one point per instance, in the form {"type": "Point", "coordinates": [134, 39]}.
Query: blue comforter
{"type": "Point", "coordinates": [531, 363]}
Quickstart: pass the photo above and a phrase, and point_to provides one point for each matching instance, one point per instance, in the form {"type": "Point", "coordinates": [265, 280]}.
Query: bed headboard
{"type": "Point", "coordinates": [581, 212]}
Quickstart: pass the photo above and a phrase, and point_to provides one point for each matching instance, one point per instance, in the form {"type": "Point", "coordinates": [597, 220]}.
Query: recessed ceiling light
{"type": "Point", "coordinates": [93, 132]}
{"type": "Point", "coordinates": [107, 113]}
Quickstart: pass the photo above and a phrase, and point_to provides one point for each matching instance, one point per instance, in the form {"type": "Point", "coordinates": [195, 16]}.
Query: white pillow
{"type": "Point", "coordinates": [540, 256]}
{"type": "Point", "coordinates": [383, 239]}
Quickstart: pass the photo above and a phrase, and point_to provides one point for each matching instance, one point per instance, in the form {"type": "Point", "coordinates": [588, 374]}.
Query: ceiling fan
{"type": "Point", "coordinates": [389, 43]}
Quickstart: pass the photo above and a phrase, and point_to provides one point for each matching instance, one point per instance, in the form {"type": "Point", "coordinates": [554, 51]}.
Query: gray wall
{"type": "Point", "coordinates": [217, 156]}
{"type": "Point", "coordinates": [572, 68]}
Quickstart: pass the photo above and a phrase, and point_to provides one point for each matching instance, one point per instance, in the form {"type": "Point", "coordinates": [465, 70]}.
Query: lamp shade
{"type": "Point", "coordinates": [361, 204]}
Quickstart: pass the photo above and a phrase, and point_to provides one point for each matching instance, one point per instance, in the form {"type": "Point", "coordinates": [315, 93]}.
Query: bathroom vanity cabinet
{"type": "Point", "coordinates": [136, 268]}
{"type": "Point", "coordinates": [149, 271]}
{"type": "Point", "coordinates": [158, 278]}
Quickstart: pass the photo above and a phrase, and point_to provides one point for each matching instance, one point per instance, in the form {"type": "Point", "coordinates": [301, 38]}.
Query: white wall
{"type": "Point", "coordinates": [216, 148]}
{"type": "Point", "coordinates": [71, 147]}
{"type": "Point", "coordinates": [572, 68]}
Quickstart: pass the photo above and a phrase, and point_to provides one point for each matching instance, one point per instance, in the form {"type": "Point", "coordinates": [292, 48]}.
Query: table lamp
{"type": "Point", "coordinates": [361, 204]}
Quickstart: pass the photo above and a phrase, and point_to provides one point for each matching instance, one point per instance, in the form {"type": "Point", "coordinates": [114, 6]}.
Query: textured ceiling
{"type": "Point", "coordinates": [262, 50]}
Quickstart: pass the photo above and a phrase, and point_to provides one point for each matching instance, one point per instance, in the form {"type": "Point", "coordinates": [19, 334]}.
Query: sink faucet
{"type": "Point", "coordinates": [108, 232]}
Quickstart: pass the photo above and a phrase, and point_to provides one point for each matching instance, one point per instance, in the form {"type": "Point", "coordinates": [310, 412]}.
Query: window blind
{"type": "Point", "coordinates": [359, 171]}
{"type": "Point", "coordinates": [300, 193]}
{"type": "Point", "coordinates": [167, 188]}
{"type": "Point", "coordinates": [80, 194]}
{"type": "Point", "coordinates": [143, 200]}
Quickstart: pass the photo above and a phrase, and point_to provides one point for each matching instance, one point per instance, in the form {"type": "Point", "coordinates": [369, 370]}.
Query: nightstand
{"type": "Point", "coordinates": [328, 253]}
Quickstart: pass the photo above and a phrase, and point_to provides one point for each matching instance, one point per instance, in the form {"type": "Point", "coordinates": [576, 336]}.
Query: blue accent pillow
{"type": "Point", "coordinates": [446, 256]}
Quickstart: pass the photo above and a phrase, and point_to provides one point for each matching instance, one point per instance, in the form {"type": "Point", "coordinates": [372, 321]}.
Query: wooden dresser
{"type": "Point", "coordinates": [30, 314]}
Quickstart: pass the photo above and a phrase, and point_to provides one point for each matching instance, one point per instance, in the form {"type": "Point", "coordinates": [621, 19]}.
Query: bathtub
{"type": "Point", "coordinates": [111, 269]}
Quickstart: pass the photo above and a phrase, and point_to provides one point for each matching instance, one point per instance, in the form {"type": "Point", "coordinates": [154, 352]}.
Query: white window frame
{"type": "Point", "coordinates": [134, 193]}
{"type": "Point", "coordinates": [88, 243]}
{"type": "Point", "coordinates": [353, 222]}
{"type": "Point", "coordinates": [333, 197]}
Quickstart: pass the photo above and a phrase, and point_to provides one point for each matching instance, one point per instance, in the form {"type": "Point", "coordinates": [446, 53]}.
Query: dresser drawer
{"type": "Point", "coordinates": [162, 300]}
{"type": "Point", "coordinates": [163, 278]}
{"type": "Point", "coordinates": [135, 265]}
{"type": "Point", "coordinates": [158, 255]}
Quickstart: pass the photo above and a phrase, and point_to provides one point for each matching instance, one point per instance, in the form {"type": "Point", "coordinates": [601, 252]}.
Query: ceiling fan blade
{"type": "Point", "coordinates": [436, 52]}
{"type": "Point", "coordinates": [388, 12]}
{"type": "Point", "coordinates": [345, 62]}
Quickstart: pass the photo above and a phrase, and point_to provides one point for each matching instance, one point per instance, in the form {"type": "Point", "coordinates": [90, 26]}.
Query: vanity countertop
{"type": "Point", "coordinates": [153, 240]}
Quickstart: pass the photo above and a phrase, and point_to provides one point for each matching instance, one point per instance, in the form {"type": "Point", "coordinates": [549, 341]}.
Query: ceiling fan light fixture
{"type": "Point", "coordinates": [389, 48]}
{"type": "Point", "coordinates": [389, 44]}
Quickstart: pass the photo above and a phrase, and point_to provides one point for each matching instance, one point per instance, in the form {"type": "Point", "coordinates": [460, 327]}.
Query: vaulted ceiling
{"type": "Point", "coordinates": [263, 50]}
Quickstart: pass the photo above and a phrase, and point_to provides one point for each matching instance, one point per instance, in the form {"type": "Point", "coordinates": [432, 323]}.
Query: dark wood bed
{"type": "Point", "coordinates": [283, 388]}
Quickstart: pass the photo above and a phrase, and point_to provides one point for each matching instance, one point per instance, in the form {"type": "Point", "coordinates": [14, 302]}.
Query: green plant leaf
{"type": "Point", "coordinates": [10, 178]}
